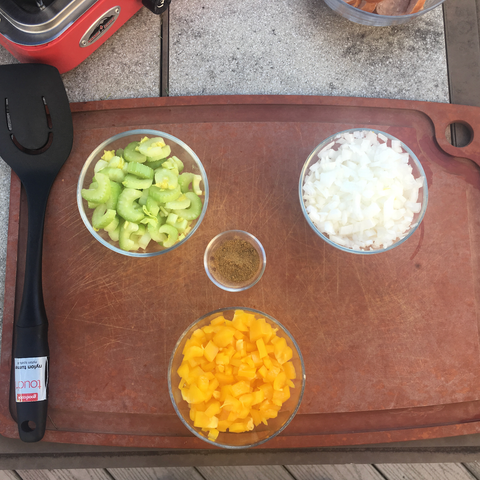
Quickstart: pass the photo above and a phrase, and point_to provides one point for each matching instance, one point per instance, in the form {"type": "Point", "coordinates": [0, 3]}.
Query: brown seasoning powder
{"type": "Point", "coordinates": [236, 260]}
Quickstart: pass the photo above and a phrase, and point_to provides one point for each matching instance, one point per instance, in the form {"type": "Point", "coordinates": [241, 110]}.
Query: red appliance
{"type": "Point", "coordinates": [61, 33]}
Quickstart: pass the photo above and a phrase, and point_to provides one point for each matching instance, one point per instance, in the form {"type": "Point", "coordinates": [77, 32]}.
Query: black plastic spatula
{"type": "Point", "coordinates": [36, 136]}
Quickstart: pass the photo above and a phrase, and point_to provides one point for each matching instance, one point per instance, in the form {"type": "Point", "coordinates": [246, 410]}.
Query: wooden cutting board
{"type": "Point", "coordinates": [390, 341]}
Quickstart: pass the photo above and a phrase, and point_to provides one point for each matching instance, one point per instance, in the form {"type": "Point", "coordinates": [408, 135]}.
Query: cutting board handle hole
{"type": "Point", "coordinates": [28, 426]}
{"type": "Point", "coordinates": [459, 134]}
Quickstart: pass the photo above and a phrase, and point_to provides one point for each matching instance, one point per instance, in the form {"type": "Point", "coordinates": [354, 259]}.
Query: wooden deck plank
{"type": "Point", "coordinates": [333, 472]}
{"type": "Point", "coordinates": [425, 471]}
{"type": "Point", "coordinates": [273, 472]}
{"type": "Point", "coordinates": [163, 473]}
{"type": "Point", "coordinates": [8, 475]}
{"type": "Point", "coordinates": [473, 468]}
{"type": "Point", "coordinates": [77, 474]}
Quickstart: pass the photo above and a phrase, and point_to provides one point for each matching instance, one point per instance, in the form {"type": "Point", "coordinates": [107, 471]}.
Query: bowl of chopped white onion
{"type": "Point", "coordinates": [363, 191]}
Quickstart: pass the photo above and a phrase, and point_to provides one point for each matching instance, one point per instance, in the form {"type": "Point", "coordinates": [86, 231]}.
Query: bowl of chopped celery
{"type": "Point", "coordinates": [363, 191]}
{"type": "Point", "coordinates": [142, 193]}
{"type": "Point", "coordinates": [236, 377]}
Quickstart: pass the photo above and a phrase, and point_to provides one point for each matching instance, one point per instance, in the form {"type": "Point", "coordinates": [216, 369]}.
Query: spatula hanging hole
{"type": "Point", "coordinates": [29, 151]}
{"type": "Point", "coordinates": [7, 114]}
{"type": "Point", "coordinates": [47, 113]}
{"type": "Point", "coordinates": [28, 426]}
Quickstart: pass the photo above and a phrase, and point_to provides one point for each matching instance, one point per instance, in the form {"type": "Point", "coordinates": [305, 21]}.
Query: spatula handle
{"type": "Point", "coordinates": [31, 381]}
{"type": "Point", "coordinates": [30, 347]}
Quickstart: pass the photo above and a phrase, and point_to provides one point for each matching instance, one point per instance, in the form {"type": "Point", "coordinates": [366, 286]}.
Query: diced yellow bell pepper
{"type": "Point", "coordinates": [262, 371]}
{"type": "Point", "coordinates": [255, 330]}
{"type": "Point", "coordinates": [235, 374]}
{"type": "Point", "coordinates": [280, 381]}
{"type": "Point", "coordinates": [246, 399]}
{"type": "Point", "coordinates": [195, 395]}
{"type": "Point", "coordinates": [222, 359]}
{"type": "Point", "coordinates": [237, 321]}
{"type": "Point", "coordinates": [280, 397]}
{"type": "Point", "coordinates": [239, 335]}
{"type": "Point", "coordinates": [224, 391]}
{"type": "Point", "coordinates": [224, 337]}
{"type": "Point", "coordinates": [272, 373]}
{"type": "Point", "coordinates": [191, 342]}
{"type": "Point", "coordinates": [213, 408]}
{"type": "Point", "coordinates": [267, 389]}
{"type": "Point", "coordinates": [202, 420]}
{"type": "Point", "coordinates": [231, 403]}
{"type": "Point", "coordinates": [218, 321]}
{"type": "Point", "coordinates": [262, 351]}
{"type": "Point", "coordinates": [289, 370]}
{"type": "Point", "coordinates": [247, 372]}
{"type": "Point", "coordinates": [256, 417]}
{"type": "Point", "coordinates": [244, 412]}
{"type": "Point", "coordinates": [208, 367]}
{"type": "Point", "coordinates": [198, 333]}
{"type": "Point", "coordinates": [193, 351]}
{"type": "Point", "coordinates": [267, 361]}
{"type": "Point", "coordinates": [223, 425]}
{"type": "Point", "coordinates": [224, 379]}
{"type": "Point", "coordinates": [203, 383]}
{"type": "Point", "coordinates": [240, 388]}
{"type": "Point", "coordinates": [283, 353]}
{"type": "Point", "coordinates": [183, 370]}
{"type": "Point", "coordinates": [210, 351]}
{"type": "Point", "coordinates": [258, 397]}
{"type": "Point", "coordinates": [236, 362]}
{"type": "Point", "coordinates": [239, 345]}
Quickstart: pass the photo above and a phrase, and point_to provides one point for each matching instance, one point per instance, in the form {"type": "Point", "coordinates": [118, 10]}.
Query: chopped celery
{"type": "Point", "coordinates": [127, 207]}
{"type": "Point", "coordinates": [152, 207]}
{"type": "Point", "coordinates": [153, 230]}
{"type": "Point", "coordinates": [165, 178]}
{"type": "Point", "coordinates": [131, 154]}
{"type": "Point", "coordinates": [126, 230]}
{"type": "Point", "coordinates": [172, 235]}
{"type": "Point", "coordinates": [100, 165]}
{"type": "Point", "coordinates": [194, 210]}
{"type": "Point", "coordinates": [132, 181]}
{"type": "Point", "coordinates": [143, 199]}
{"type": "Point", "coordinates": [187, 178]}
{"type": "Point", "coordinates": [179, 163]}
{"type": "Point", "coordinates": [174, 220]}
{"type": "Point", "coordinates": [140, 195]}
{"type": "Point", "coordinates": [102, 216]}
{"type": "Point", "coordinates": [181, 202]}
{"type": "Point", "coordinates": [114, 174]}
{"type": "Point", "coordinates": [140, 170]}
{"type": "Point", "coordinates": [115, 189]}
{"type": "Point", "coordinates": [154, 148]}
{"type": "Point", "coordinates": [164, 196]}
{"type": "Point", "coordinates": [101, 193]}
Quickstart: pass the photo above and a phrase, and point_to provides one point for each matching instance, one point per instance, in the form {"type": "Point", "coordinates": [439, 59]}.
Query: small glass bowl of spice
{"type": "Point", "coordinates": [234, 260]}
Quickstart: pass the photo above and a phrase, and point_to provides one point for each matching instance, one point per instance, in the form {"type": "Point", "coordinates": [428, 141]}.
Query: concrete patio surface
{"type": "Point", "coordinates": [221, 47]}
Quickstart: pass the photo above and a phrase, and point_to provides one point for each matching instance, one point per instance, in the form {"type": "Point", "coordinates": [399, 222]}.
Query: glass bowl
{"type": "Point", "coordinates": [237, 271]}
{"type": "Point", "coordinates": [260, 433]}
{"type": "Point", "coordinates": [417, 172]}
{"type": "Point", "coordinates": [372, 19]}
{"type": "Point", "coordinates": [179, 149]}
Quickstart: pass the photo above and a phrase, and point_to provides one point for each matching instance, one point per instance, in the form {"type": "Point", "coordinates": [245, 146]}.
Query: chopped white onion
{"type": "Point", "coordinates": [361, 192]}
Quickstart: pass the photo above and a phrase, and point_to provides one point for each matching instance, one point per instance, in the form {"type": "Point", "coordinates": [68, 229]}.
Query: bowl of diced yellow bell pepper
{"type": "Point", "coordinates": [236, 377]}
